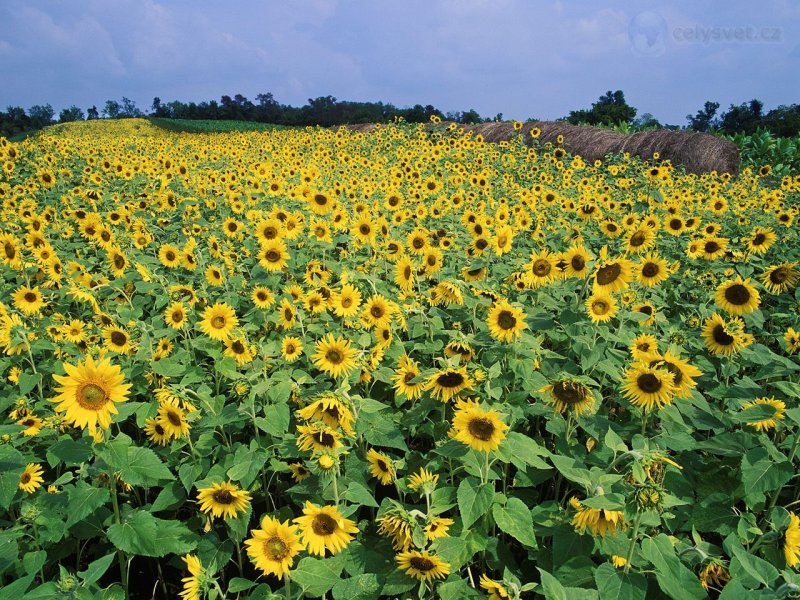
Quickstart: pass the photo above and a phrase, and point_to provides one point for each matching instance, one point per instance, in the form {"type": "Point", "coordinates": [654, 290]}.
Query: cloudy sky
{"type": "Point", "coordinates": [522, 58]}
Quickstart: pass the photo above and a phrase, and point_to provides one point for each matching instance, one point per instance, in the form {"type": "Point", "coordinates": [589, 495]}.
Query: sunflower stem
{"type": "Point", "coordinates": [288, 587]}
{"type": "Point", "coordinates": [121, 559]}
{"type": "Point", "coordinates": [632, 544]}
{"type": "Point", "coordinates": [336, 489]}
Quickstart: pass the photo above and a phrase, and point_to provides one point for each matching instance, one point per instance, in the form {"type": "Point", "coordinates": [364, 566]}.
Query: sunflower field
{"type": "Point", "coordinates": [403, 364]}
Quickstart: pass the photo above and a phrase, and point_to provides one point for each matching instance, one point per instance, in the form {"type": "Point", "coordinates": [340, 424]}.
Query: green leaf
{"type": "Point", "coordinates": [674, 578]}
{"type": "Point", "coordinates": [611, 501]}
{"type": "Point", "coordinates": [361, 587]}
{"type": "Point", "coordinates": [84, 499]}
{"type": "Point", "coordinates": [455, 590]}
{"type": "Point", "coordinates": [96, 569]}
{"type": "Point", "coordinates": [613, 584]}
{"type": "Point", "coordinates": [145, 535]}
{"type": "Point", "coordinates": [69, 451]}
{"type": "Point", "coordinates": [515, 519]}
{"type": "Point", "coordinates": [168, 367]}
{"type": "Point", "coordinates": [761, 473]}
{"type": "Point", "coordinates": [237, 584]}
{"type": "Point", "coordinates": [170, 497]}
{"type": "Point", "coordinates": [474, 499]}
{"type": "Point", "coordinates": [759, 569]}
{"type": "Point", "coordinates": [136, 465]}
{"type": "Point", "coordinates": [522, 451]}
{"type": "Point", "coordinates": [28, 381]}
{"type": "Point", "coordinates": [12, 464]}
{"type": "Point", "coordinates": [551, 587]}
{"type": "Point", "coordinates": [614, 442]}
{"type": "Point", "coordinates": [572, 470]}
{"type": "Point", "coordinates": [276, 419]}
{"type": "Point", "coordinates": [318, 575]}
{"type": "Point", "coordinates": [358, 494]}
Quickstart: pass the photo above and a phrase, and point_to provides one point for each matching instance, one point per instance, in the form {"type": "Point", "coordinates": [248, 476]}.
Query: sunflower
{"type": "Point", "coordinates": [262, 297]}
{"type": "Point", "coordinates": [28, 300]}
{"type": "Point", "coordinates": [714, 574]}
{"type": "Point", "coordinates": [447, 383]}
{"type": "Point", "coordinates": [647, 309]}
{"type": "Point", "coordinates": [320, 203]}
{"type": "Point", "coordinates": [33, 425]}
{"type": "Point", "coordinates": [404, 273]}
{"type": "Point", "coordinates": [598, 521]}
{"type": "Point", "coordinates": [423, 480]}
{"type": "Point", "coordinates": [711, 248]}
{"type": "Point", "coordinates": [724, 338]}
{"type": "Point", "coordinates": [89, 391]}
{"type": "Point", "coordinates": [652, 270]}
{"type": "Point", "coordinates": [224, 500]}
{"type": "Point", "coordinates": [407, 370]}
{"type": "Point", "coordinates": [422, 566]}
{"type": "Point", "coordinates": [299, 471]}
{"type": "Point", "coordinates": [437, 527]}
{"type": "Point", "coordinates": [541, 270]}
{"type": "Point", "coordinates": [505, 322]}
{"type": "Point", "coordinates": [239, 350]}
{"type": "Point", "coordinates": [318, 438]}
{"type": "Point", "coordinates": [396, 524]}
{"type": "Point", "coordinates": [575, 262]}
{"type": "Point", "coordinates": [117, 340]}
{"type": "Point", "coordinates": [175, 315]}
{"type": "Point", "coordinates": [760, 240]}
{"type": "Point", "coordinates": [601, 307]}
{"type": "Point", "coordinates": [639, 240]}
{"type": "Point", "coordinates": [380, 467]}
{"type": "Point", "coordinates": [169, 256]}
{"type": "Point", "coordinates": [11, 253]}
{"type": "Point", "coordinates": [273, 547]}
{"type": "Point", "coordinates": [330, 410]}
{"type": "Point", "coordinates": [792, 339]}
{"type": "Point", "coordinates": [156, 432]}
{"type": "Point", "coordinates": [495, 590]}
{"type": "Point", "coordinates": [219, 321]}
{"type": "Point", "coordinates": [287, 314]}
{"type": "Point", "coordinates": [273, 255]}
{"type": "Point", "coordinates": [777, 406]}
{"type": "Point", "coordinates": [324, 528]}
{"type": "Point", "coordinates": [682, 372]}
{"type": "Point", "coordinates": [291, 348]}
{"type": "Point", "coordinates": [737, 297]}
{"type": "Point", "coordinates": [334, 356]}
{"type": "Point", "coordinates": [481, 430]}
{"type": "Point", "coordinates": [612, 275]}
{"type": "Point", "coordinates": [644, 347]}
{"type": "Point", "coordinates": [192, 585]}
{"type": "Point", "coordinates": [377, 311]}
{"type": "Point", "coordinates": [346, 301]}
{"type": "Point", "coordinates": [31, 478]}
{"type": "Point", "coordinates": [791, 541]}
{"type": "Point", "coordinates": [172, 418]}
{"type": "Point", "coordinates": [781, 278]}
{"type": "Point", "coordinates": [648, 387]}
{"type": "Point", "coordinates": [569, 394]}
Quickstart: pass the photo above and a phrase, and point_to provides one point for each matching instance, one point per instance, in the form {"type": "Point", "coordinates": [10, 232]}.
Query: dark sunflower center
{"type": "Point", "coordinates": [159, 429]}
{"type": "Point", "coordinates": [506, 320]}
{"type": "Point", "coordinates": [650, 269]}
{"type": "Point", "coordinates": [675, 224]}
{"type": "Point", "coordinates": [276, 549]}
{"type": "Point", "coordinates": [407, 272]}
{"type": "Point", "coordinates": [408, 377]}
{"type": "Point", "coordinates": [119, 261]}
{"type": "Point", "coordinates": [646, 310]}
{"type": "Point", "coordinates": [481, 244]}
{"type": "Point", "coordinates": [324, 525]}
{"type": "Point", "coordinates": [290, 348]}
{"type": "Point", "coordinates": [25, 478]}
{"type": "Point", "coordinates": [9, 250]}
{"type": "Point", "coordinates": [779, 275]}
{"type": "Point", "coordinates": [118, 338]}
{"type": "Point", "coordinates": [600, 307]}
{"type": "Point", "coordinates": [170, 256]}
{"type": "Point", "coordinates": [288, 315]}
{"type": "Point", "coordinates": [722, 337]}
{"type": "Point", "coordinates": [270, 232]}
{"type": "Point", "coordinates": [578, 263]}
{"type": "Point", "coordinates": [677, 374]}
{"type": "Point", "coordinates": [177, 316]}
{"type": "Point", "coordinates": [376, 311]}
{"type": "Point", "coordinates": [608, 274]}
{"type": "Point", "coordinates": [320, 199]}
{"type": "Point", "coordinates": [222, 497]}
{"type": "Point", "coordinates": [648, 383]}
{"type": "Point", "coordinates": [542, 267]}
{"type": "Point", "coordinates": [347, 302]}
{"type": "Point", "coordinates": [382, 465]}
{"type": "Point", "coordinates": [218, 322]}
{"type": "Point", "coordinates": [174, 418]}
{"type": "Point", "coordinates": [569, 392]}
{"type": "Point", "coordinates": [31, 297]}
{"type": "Point", "coordinates": [450, 379]}
{"type": "Point", "coordinates": [91, 396]}
{"type": "Point", "coordinates": [637, 239]}
{"type": "Point", "coordinates": [759, 239]}
{"type": "Point", "coordinates": [272, 256]}
{"type": "Point", "coordinates": [418, 243]}
{"type": "Point", "coordinates": [237, 347]}
{"type": "Point", "coordinates": [711, 247]}
{"type": "Point", "coordinates": [420, 563]}
{"type": "Point", "coordinates": [334, 357]}
{"type": "Point", "coordinates": [737, 294]}
{"type": "Point", "coordinates": [481, 428]}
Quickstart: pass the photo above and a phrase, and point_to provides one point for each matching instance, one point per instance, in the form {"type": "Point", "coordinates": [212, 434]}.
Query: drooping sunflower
{"type": "Point", "coordinates": [505, 321]}
{"type": "Point", "coordinates": [648, 387]}
{"type": "Point", "coordinates": [346, 301]}
{"type": "Point", "coordinates": [422, 566]}
{"type": "Point", "coordinates": [724, 338]}
{"type": "Point", "coordinates": [396, 524]}
{"type": "Point", "coordinates": [496, 591]}
{"type": "Point", "coordinates": [569, 394]}
{"type": "Point", "coordinates": [291, 348]}
{"type": "Point", "coordinates": [192, 584]}
{"type": "Point", "coordinates": [272, 548]}
{"type": "Point", "coordinates": [175, 315]}
{"type": "Point", "coordinates": [737, 297]}
{"type": "Point", "coordinates": [318, 438]}
{"type": "Point", "coordinates": [380, 466]}
{"type": "Point", "coordinates": [598, 521]}
{"type": "Point", "coordinates": [652, 270]}
{"type": "Point", "coordinates": [423, 480]}
{"type": "Point", "coordinates": [601, 307]}
{"type": "Point", "coordinates": [31, 478]}
{"type": "Point", "coordinates": [335, 356]}
{"type": "Point", "coordinates": [447, 383]}
{"type": "Point", "coordinates": [791, 541]}
{"type": "Point", "coordinates": [28, 300]}
{"type": "Point", "coordinates": [781, 278]}
{"type": "Point", "coordinates": [480, 429]}
{"type": "Point", "coordinates": [330, 410]}
{"type": "Point", "coordinates": [219, 321]}
{"type": "Point", "coordinates": [224, 500]}
{"type": "Point", "coordinates": [714, 574]}
{"type": "Point", "coordinates": [89, 392]}
{"type": "Point", "coordinates": [324, 528]}
{"type": "Point", "coordinates": [777, 406]}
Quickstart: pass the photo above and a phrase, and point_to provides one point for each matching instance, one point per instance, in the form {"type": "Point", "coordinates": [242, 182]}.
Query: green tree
{"type": "Point", "coordinates": [610, 109]}
{"type": "Point", "coordinates": [704, 119]}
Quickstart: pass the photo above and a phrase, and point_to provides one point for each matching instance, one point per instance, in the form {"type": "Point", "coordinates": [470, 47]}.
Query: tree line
{"type": "Point", "coordinates": [611, 109]}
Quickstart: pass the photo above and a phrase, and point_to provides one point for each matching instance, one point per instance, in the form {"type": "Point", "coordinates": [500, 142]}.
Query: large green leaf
{"type": "Point", "coordinates": [318, 575]}
{"type": "Point", "coordinates": [674, 578]}
{"type": "Point", "coordinates": [145, 535]}
{"type": "Point", "coordinates": [474, 499]}
{"type": "Point", "coordinates": [136, 465]}
{"type": "Point", "coordinates": [515, 519]}
{"type": "Point", "coordinates": [613, 584]}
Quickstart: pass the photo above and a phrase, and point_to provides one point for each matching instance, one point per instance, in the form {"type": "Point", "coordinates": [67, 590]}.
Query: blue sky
{"type": "Point", "coordinates": [523, 58]}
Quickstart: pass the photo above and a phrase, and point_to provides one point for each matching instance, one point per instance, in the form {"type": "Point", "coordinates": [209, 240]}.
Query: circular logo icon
{"type": "Point", "coordinates": [647, 32]}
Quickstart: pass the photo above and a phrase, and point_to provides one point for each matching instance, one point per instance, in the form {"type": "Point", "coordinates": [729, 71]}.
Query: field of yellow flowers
{"type": "Point", "coordinates": [309, 363]}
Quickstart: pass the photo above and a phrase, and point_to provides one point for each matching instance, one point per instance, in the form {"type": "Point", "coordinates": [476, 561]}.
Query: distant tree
{"type": "Point", "coordinates": [91, 113]}
{"type": "Point", "coordinates": [704, 119]}
{"type": "Point", "coordinates": [157, 109]}
{"type": "Point", "coordinates": [610, 109]}
{"type": "Point", "coordinates": [41, 115]}
{"type": "Point", "coordinates": [112, 109]}
{"type": "Point", "coordinates": [745, 118]}
{"type": "Point", "coordinates": [14, 121]}
{"type": "Point", "coordinates": [73, 113]}
{"type": "Point", "coordinates": [129, 108]}
{"type": "Point", "coordinates": [646, 120]}
{"type": "Point", "coordinates": [470, 117]}
{"type": "Point", "coordinates": [498, 117]}
{"type": "Point", "coordinates": [783, 121]}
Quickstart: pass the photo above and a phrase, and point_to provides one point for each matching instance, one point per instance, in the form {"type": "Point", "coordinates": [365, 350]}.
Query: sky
{"type": "Point", "coordinates": [522, 58]}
